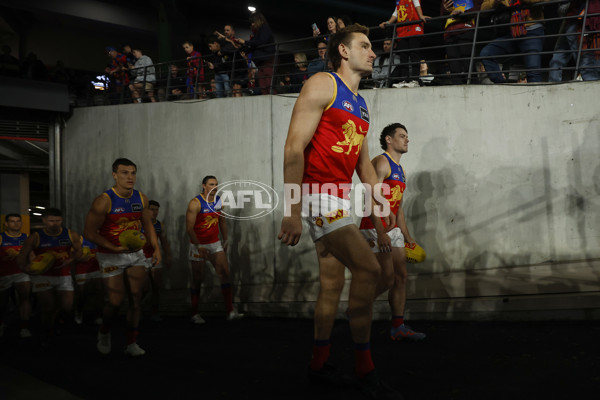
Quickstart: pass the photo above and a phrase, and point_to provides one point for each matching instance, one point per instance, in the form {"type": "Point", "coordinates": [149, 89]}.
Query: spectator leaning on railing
{"type": "Point", "coordinates": [529, 37]}
{"type": "Point", "coordinates": [144, 77]}
{"type": "Point", "coordinates": [319, 64]}
{"type": "Point", "coordinates": [117, 69]}
{"type": "Point", "coordinates": [195, 70]}
{"type": "Point", "coordinates": [382, 70]}
{"type": "Point", "coordinates": [221, 67]}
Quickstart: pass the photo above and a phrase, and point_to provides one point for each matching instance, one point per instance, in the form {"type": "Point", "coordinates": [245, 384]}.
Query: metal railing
{"type": "Point", "coordinates": [242, 73]}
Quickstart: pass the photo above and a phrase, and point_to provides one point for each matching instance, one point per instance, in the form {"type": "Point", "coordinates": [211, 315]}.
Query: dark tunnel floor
{"type": "Point", "coordinates": [267, 358]}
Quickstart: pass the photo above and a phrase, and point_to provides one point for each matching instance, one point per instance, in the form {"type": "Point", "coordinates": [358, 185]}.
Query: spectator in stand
{"type": "Point", "coordinates": [261, 45]}
{"type": "Point", "coordinates": [342, 22]}
{"type": "Point", "coordinates": [195, 70]}
{"type": "Point", "coordinates": [382, 71]}
{"type": "Point", "coordinates": [331, 28]}
{"type": "Point", "coordinates": [530, 35]}
{"type": "Point", "coordinates": [319, 64]}
{"type": "Point", "coordinates": [175, 85]}
{"type": "Point", "coordinates": [458, 41]}
{"type": "Point", "coordinates": [237, 89]}
{"type": "Point", "coordinates": [570, 43]}
{"type": "Point", "coordinates": [117, 69]}
{"type": "Point", "coordinates": [231, 52]}
{"type": "Point", "coordinates": [128, 52]}
{"type": "Point", "coordinates": [409, 36]}
{"type": "Point", "coordinates": [300, 74]}
{"type": "Point", "coordinates": [222, 67]}
{"type": "Point", "coordinates": [144, 77]}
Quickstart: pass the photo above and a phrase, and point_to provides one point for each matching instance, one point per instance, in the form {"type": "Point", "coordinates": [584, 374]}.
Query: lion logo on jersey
{"type": "Point", "coordinates": [210, 221]}
{"type": "Point", "coordinates": [353, 138]}
{"type": "Point", "coordinates": [396, 196]}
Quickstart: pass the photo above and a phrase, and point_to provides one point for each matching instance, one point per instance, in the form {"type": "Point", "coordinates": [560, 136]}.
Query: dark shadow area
{"type": "Point", "coordinates": [267, 359]}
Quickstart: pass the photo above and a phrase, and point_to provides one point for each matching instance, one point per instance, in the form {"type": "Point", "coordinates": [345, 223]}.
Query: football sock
{"type": "Point", "coordinates": [321, 351]}
{"type": "Point", "coordinates": [364, 363]}
{"type": "Point", "coordinates": [132, 334]}
{"type": "Point", "coordinates": [397, 320]}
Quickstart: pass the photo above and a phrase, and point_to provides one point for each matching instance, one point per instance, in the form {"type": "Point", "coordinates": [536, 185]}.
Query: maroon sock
{"type": "Point", "coordinates": [397, 320]}
{"type": "Point", "coordinates": [321, 351]}
{"type": "Point", "coordinates": [364, 362]}
{"type": "Point", "coordinates": [227, 296]}
{"type": "Point", "coordinates": [24, 324]}
{"type": "Point", "coordinates": [132, 334]}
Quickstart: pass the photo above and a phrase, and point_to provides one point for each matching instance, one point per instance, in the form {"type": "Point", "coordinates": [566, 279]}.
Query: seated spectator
{"type": "Point", "coordinates": [144, 77]}
{"type": "Point", "coordinates": [381, 67]}
{"type": "Point", "coordinates": [458, 36]}
{"type": "Point", "coordinates": [408, 36]}
{"type": "Point", "coordinates": [300, 74]}
{"type": "Point", "coordinates": [9, 65]}
{"type": "Point", "coordinates": [195, 70]}
{"type": "Point", "coordinates": [570, 44]}
{"type": "Point", "coordinates": [222, 68]}
{"type": "Point", "coordinates": [319, 64]}
{"type": "Point", "coordinates": [175, 86]}
{"type": "Point", "coordinates": [532, 30]}
{"type": "Point", "coordinates": [117, 70]}
{"type": "Point", "coordinates": [261, 45]}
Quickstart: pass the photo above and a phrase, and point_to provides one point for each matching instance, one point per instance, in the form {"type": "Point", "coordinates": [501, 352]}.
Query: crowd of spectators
{"type": "Point", "coordinates": [234, 66]}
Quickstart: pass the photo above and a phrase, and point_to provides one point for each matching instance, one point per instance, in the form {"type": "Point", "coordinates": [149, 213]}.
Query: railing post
{"type": "Point", "coordinates": [389, 73]}
{"type": "Point", "coordinates": [473, 48]}
{"type": "Point", "coordinates": [273, 71]}
{"type": "Point", "coordinates": [581, 38]}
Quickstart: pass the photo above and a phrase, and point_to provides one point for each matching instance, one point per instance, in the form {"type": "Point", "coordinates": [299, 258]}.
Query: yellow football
{"type": "Point", "coordinates": [414, 253]}
{"type": "Point", "coordinates": [133, 240]}
{"type": "Point", "coordinates": [41, 263]}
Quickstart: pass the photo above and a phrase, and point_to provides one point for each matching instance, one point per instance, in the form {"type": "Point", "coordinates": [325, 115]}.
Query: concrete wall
{"type": "Point", "coordinates": [503, 194]}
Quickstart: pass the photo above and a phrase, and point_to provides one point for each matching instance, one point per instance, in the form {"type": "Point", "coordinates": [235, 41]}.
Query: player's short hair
{"type": "Point", "coordinates": [153, 203]}
{"type": "Point", "coordinates": [52, 212]}
{"type": "Point", "coordinates": [207, 178]}
{"type": "Point", "coordinates": [11, 215]}
{"type": "Point", "coordinates": [122, 161]}
{"type": "Point", "coordinates": [344, 36]}
{"type": "Point", "coordinates": [389, 131]}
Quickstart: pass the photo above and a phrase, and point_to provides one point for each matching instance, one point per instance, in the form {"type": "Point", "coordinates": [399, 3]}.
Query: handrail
{"type": "Point", "coordinates": [284, 49]}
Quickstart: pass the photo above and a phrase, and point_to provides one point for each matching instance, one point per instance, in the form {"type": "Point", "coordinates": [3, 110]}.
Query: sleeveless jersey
{"type": "Point", "coordinates": [397, 183]}
{"type": "Point", "coordinates": [406, 11]}
{"type": "Point", "coordinates": [148, 249]}
{"type": "Point", "coordinates": [10, 246]}
{"type": "Point", "coordinates": [207, 220]}
{"type": "Point", "coordinates": [333, 151]}
{"type": "Point", "coordinates": [60, 246]}
{"type": "Point", "coordinates": [90, 265]}
{"type": "Point", "coordinates": [125, 214]}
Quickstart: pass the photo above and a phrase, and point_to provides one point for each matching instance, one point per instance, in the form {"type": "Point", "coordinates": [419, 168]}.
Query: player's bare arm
{"type": "Point", "coordinates": [367, 174]}
{"type": "Point", "coordinates": [402, 225]}
{"type": "Point", "coordinates": [93, 222]}
{"type": "Point", "coordinates": [383, 170]}
{"type": "Point", "coordinates": [190, 219]}
{"type": "Point", "coordinates": [150, 232]}
{"type": "Point", "coordinates": [315, 96]}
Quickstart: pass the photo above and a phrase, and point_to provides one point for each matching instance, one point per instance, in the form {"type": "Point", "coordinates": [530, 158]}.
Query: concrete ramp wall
{"type": "Point", "coordinates": [503, 194]}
